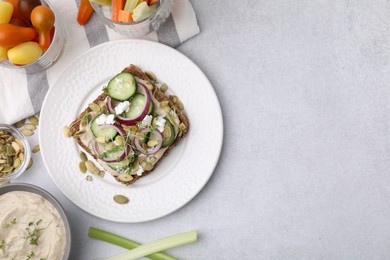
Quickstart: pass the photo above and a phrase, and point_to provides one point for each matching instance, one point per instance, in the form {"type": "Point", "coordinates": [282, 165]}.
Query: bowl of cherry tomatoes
{"type": "Point", "coordinates": [31, 35]}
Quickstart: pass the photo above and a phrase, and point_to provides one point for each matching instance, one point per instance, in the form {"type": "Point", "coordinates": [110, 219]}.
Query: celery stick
{"type": "Point", "coordinates": [123, 242]}
{"type": "Point", "coordinates": [157, 246]}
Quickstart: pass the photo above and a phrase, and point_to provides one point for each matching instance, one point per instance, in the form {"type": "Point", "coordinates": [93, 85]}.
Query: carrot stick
{"type": "Point", "coordinates": [116, 6]}
{"type": "Point", "coordinates": [125, 17]}
{"type": "Point", "coordinates": [85, 12]}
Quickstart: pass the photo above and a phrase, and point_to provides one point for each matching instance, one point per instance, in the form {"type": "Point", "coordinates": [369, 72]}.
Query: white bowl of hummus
{"type": "Point", "coordinates": [33, 224]}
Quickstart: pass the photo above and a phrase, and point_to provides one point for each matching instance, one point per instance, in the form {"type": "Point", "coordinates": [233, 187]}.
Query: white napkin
{"type": "Point", "coordinates": [22, 94]}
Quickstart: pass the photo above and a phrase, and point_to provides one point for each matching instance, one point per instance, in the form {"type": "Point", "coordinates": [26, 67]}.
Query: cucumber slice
{"type": "Point", "coordinates": [168, 134]}
{"type": "Point", "coordinates": [118, 166]}
{"type": "Point", "coordinates": [115, 153]}
{"type": "Point", "coordinates": [98, 130]}
{"type": "Point", "coordinates": [136, 106]}
{"type": "Point", "coordinates": [122, 86]}
{"type": "Point", "coordinates": [151, 108]}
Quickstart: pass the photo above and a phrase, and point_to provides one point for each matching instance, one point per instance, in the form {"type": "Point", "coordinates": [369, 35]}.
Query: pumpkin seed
{"type": "Point", "coordinates": [67, 132]}
{"type": "Point", "coordinates": [101, 173]}
{"type": "Point", "coordinates": [91, 167]}
{"type": "Point", "coordinates": [27, 132]}
{"type": "Point", "coordinates": [16, 147]}
{"type": "Point", "coordinates": [36, 148]}
{"type": "Point", "coordinates": [20, 123]}
{"type": "Point", "coordinates": [119, 140]}
{"type": "Point", "coordinates": [88, 178]}
{"type": "Point", "coordinates": [180, 104]}
{"type": "Point", "coordinates": [147, 166]}
{"type": "Point", "coordinates": [21, 156]}
{"type": "Point", "coordinates": [17, 162]}
{"type": "Point", "coordinates": [29, 127]}
{"type": "Point", "coordinates": [120, 199]}
{"type": "Point", "coordinates": [151, 75]}
{"type": "Point", "coordinates": [82, 167]}
{"type": "Point", "coordinates": [94, 107]}
{"type": "Point", "coordinates": [152, 143]}
{"type": "Point", "coordinates": [164, 87]}
{"type": "Point", "coordinates": [7, 169]}
{"type": "Point", "coordinates": [173, 98]}
{"type": "Point", "coordinates": [83, 156]}
{"type": "Point", "coordinates": [125, 177]}
{"type": "Point", "coordinates": [101, 139]}
{"type": "Point", "coordinates": [149, 85]}
{"type": "Point", "coordinates": [10, 150]}
{"type": "Point", "coordinates": [34, 120]}
{"type": "Point", "coordinates": [79, 133]}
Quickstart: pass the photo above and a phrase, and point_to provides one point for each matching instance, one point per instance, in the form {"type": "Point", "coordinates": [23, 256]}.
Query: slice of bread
{"type": "Point", "coordinates": [160, 96]}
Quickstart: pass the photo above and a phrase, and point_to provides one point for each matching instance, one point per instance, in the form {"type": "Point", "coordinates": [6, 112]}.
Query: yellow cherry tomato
{"type": "Point", "coordinates": [24, 53]}
{"type": "Point", "coordinates": [3, 53]}
{"type": "Point", "coordinates": [6, 10]}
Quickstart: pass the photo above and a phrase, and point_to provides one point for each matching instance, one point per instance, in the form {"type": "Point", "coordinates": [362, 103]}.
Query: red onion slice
{"type": "Point", "coordinates": [121, 156]}
{"type": "Point", "coordinates": [132, 121]}
{"type": "Point", "coordinates": [110, 106]}
{"type": "Point", "coordinates": [151, 150]}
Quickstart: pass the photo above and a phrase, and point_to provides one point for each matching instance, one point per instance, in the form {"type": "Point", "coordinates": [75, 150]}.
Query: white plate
{"type": "Point", "coordinates": [178, 178]}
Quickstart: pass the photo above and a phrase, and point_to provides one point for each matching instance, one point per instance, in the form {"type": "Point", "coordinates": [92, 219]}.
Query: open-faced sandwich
{"type": "Point", "coordinates": [131, 126]}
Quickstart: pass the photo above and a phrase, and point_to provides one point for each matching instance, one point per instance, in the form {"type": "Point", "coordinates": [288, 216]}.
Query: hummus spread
{"type": "Point", "coordinates": [30, 228]}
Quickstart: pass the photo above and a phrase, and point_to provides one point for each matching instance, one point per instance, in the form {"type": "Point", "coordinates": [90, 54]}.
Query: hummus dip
{"type": "Point", "coordinates": [30, 228]}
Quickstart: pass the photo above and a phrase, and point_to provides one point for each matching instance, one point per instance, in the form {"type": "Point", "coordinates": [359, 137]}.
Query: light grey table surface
{"type": "Point", "coordinates": [305, 166]}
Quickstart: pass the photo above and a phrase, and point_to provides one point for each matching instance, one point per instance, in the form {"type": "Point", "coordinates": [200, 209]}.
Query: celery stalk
{"type": "Point", "coordinates": [157, 246]}
{"type": "Point", "coordinates": [123, 242]}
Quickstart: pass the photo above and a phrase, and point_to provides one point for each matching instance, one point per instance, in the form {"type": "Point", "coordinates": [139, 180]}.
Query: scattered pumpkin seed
{"type": "Point", "coordinates": [147, 166]}
{"type": "Point", "coordinates": [94, 107]}
{"type": "Point", "coordinates": [101, 173]}
{"type": "Point", "coordinates": [27, 132]}
{"type": "Point", "coordinates": [33, 120]}
{"type": "Point", "coordinates": [83, 156]}
{"type": "Point", "coordinates": [120, 199]}
{"type": "Point", "coordinates": [173, 98]}
{"type": "Point", "coordinates": [91, 167]}
{"type": "Point", "coordinates": [151, 75]}
{"type": "Point", "coordinates": [29, 127]}
{"type": "Point", "coordinates": [152, 143]}
{"type": "Point", "coordinates": [180, 104]}
{"type": "Point", "coordinates": [164, 87]}
{"type": "Point", "coordinates": [101, 139]}
{"type": "Point", "coordinates": [125, 177]}
{"type": "Point", "coordinates": [79, 133]}
{"type": "Point", "coordinates": [36, 148]}
{"type": "Point", "coordinates": [88, 178]}
{"type": "Point", "coordinates": [67, 132]}
{"type": "Point", "coordinates": [82, 167]}
{"type": "Point", "coordinates": [119, 140]}
{"type": "Point", "coordinates": [149, 85]}
{"type": "Point", "coordinates": [20, 123]}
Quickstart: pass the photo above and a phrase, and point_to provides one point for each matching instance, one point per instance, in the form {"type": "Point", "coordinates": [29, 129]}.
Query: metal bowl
{"type": "Point", "coordinates": [34, 189]}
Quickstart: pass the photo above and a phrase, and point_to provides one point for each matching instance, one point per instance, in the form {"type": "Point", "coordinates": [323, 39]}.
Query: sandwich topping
{"type": "Point", "coordinates": [132, 129]}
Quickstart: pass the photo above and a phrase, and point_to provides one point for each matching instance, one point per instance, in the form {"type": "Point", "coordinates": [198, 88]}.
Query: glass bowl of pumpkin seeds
{"type": "Point", "coordinates": [15, 153]}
